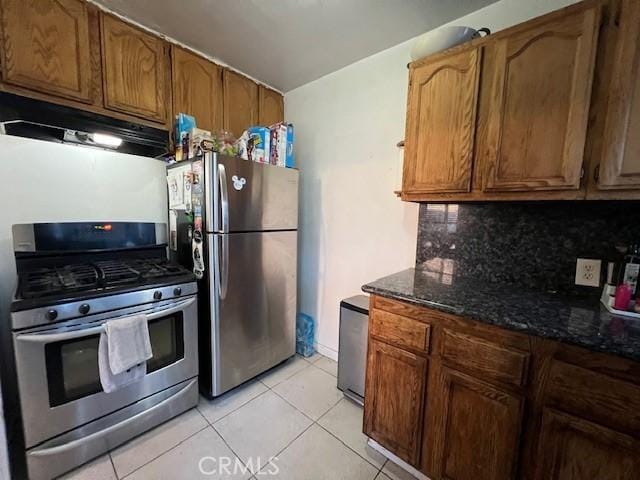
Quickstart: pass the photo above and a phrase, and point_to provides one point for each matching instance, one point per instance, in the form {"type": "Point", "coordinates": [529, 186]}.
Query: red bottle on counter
{"type": "Point", "coordinates": [623, 297]}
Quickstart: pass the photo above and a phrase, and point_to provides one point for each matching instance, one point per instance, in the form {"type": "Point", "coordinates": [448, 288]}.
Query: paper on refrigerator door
{"type": "Point", "coordinates": [179, 184]}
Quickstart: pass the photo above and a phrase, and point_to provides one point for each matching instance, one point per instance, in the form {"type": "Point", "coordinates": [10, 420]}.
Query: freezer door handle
{"type": "Point", "coordinates": [224, 198]}
{"type": "Point", "coordinates": [224, 238]}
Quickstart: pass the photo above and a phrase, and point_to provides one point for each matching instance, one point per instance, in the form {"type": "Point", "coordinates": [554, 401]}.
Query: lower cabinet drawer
{"type": "Point", "coordinates": [595, 396]}
{"type": "Point", "coordinates": [490, 360]}
{"type": "Point", "coordinates": [401, 331]}
{"type": "Point", "coordinates": [394, 398]}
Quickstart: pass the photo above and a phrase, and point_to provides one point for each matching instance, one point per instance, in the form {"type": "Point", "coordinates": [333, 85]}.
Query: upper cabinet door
{"type": "Point", "coordinates": [441, 120]}
{"type": "Point", "coordinates": [135, 70]}
{"type": "Point", "coordinates": [197, 88]}
{"type": "Point", "coordinates": [240, 103]}
{"type": "Point", "coordinates": [620, 161]}
{"type": "Point", "coordinates": [540, 96]}
{"type": "Point", "coordinates": [46, 47]}
{"type": "Point", "coordinates": [271, 109]}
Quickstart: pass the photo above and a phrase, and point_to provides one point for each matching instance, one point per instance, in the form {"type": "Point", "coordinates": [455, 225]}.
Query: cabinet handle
{"type": "Point", "coordinates": [596, 173]}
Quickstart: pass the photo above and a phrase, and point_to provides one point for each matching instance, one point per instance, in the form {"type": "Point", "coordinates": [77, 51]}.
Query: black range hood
{"type": "Point", "coordinates": [26, 117]}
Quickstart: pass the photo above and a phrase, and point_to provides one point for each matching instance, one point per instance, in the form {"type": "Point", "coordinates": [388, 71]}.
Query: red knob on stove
{"type": "Point", "coordinates": [157, 295]}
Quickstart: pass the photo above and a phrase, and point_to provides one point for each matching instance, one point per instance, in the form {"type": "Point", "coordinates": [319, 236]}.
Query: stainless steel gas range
{"type": "Point", "coordinates": [72, 277]}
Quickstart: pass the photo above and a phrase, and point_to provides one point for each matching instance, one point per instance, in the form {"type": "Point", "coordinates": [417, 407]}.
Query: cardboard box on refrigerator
{"type": "Point", "coordinates": [282, 145]}
{"type": "Point", "coordinates": [259, 147]}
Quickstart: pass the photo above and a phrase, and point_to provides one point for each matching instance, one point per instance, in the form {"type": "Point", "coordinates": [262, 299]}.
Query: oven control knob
{"type": "Point", "coordinates": [84, 308]}
{"type": "Point", "coordinates": [51, 314]}
{"type": "Point", "coordinates": [157, 295]}
{"type": "Point", "coordinates": [177, 291]}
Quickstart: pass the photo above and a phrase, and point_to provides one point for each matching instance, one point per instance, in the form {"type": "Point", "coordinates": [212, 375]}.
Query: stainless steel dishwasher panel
{"type": "Point", "coordinates": [352, 352]}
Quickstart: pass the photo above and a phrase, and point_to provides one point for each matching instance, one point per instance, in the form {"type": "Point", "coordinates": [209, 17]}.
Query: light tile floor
{"type": "Point", "coordinates": [293, 412]}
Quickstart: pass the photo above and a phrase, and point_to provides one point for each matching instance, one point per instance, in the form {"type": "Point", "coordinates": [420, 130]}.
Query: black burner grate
{"type": "Point", "coordinates": [55, 280]}
{"type": "Point", "coordinates": [115, 272]}
{"type": "Point", "coordinates": [91, 276]}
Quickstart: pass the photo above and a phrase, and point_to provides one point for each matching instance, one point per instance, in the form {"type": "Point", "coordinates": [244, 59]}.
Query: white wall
{"type": "Point", "coordinates": [353, 229]}
{"type": "Point", "coordinates": [47, 182]}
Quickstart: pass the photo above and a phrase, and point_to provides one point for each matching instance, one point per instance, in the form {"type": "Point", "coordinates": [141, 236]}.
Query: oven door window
{"type": "Point", "coordinates": [72, 365]}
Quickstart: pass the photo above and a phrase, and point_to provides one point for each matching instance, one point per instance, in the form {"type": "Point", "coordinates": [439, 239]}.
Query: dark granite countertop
{"type": "Point", "coordinates": [575, 320]}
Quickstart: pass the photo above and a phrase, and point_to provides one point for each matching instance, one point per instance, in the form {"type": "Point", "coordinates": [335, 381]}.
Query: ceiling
{"type": "Point", "coordinates": [287, 43]}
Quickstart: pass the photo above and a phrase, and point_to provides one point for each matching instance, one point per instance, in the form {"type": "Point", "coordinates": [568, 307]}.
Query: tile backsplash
{"type": "Point", "coordinates": [534, 245]}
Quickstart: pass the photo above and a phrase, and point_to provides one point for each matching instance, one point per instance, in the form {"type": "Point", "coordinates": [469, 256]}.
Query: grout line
{"type": "Point", "coordinates": [224, 440]}
{"type": "Point", "coordinates": [316, 422]}
{"type": "Point", "coordinates": [344, 443]}
{"type": "Point", "coordinates": [287, 378]}
{"type": "Point", "coordinates": [349, 447]}
{"type": "Point", "coordinates": [165, 452]}
{"type": "Point", "coordinates": [288, 444]}
{"type": "Point", "coordinates": [294, 407]}
{"type": "Point", "coordinates": [113, 465]}
{"type": "Point", "coordinates": [236, 409]}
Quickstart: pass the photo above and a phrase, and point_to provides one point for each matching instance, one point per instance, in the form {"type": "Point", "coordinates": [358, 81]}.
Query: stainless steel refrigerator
{"type": "Point", "coordinates": [248, 294]}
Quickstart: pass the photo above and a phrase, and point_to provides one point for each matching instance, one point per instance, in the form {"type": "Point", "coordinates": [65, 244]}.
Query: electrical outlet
{"type": "Point", "coordinates": [588, 272]}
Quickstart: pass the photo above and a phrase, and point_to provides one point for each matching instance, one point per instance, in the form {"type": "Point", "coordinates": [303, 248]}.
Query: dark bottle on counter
{"type": "Point", "coordinates": [630, 269]}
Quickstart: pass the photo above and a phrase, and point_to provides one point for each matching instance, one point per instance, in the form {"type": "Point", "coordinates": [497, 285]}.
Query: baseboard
{"type": "Point", "coordinates": [401, 463]}
{"type": "Point", "coordinates": [326, 351]}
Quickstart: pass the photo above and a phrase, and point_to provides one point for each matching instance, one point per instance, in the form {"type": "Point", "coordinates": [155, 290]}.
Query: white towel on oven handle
{"type": "Point", "coordinates": [123, 350]}
{"type": "Point", "coordinates": [128, 342]}
{"type": "Point", "coordinates": [110, 381]}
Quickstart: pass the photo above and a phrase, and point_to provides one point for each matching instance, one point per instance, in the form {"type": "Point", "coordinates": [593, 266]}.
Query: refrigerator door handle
{"type": "Point", "coordinates": [224, 267]}
{"type": "Point", "coordinates": [224, 238]}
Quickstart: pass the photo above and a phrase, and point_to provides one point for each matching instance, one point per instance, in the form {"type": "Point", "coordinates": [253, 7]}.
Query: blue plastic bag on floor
{"type": "Point", "coordinates": [305, 327]}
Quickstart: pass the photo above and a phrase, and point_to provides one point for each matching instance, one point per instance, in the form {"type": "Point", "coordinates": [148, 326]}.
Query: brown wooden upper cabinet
{"type": "Point", "coordinates": [619, 163]}
{"type": "Point", "coordinates": [512, 116]}
{"type": "Point", "coordinates": [441, 119]}
{"type": "Point", "coordinates": [540, 85]}
{"type": "Point", "coordinates": [240, 102]}
{"type": "Point", "coordinates": [135, 70]}
{"type": "Point", "coordinates": [271, 107]}
{"type": "Point", "coordinates": [197, 88]}
{"type": "Point", "coordinates": [46, 47]}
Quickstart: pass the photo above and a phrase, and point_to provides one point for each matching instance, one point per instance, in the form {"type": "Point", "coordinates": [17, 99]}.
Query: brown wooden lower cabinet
{"type": "Point", "coordinates": [479, 429]}
{"type": "Point", "coordinates": [573, 448]}
{"type": "Point", "coordinates": [394, 396]}
{"type": "Point", "coordinates": [498, 405]}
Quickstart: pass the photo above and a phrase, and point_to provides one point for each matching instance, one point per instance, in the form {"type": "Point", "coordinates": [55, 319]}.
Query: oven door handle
{"type": "Point", "coordinates": [85, 332]}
